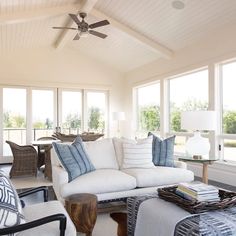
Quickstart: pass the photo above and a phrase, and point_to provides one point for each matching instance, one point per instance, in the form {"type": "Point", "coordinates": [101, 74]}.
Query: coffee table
{"type": "Point", "coordinates": [82, 209]}
{"type": "Point", "coordinates": [204, 161]}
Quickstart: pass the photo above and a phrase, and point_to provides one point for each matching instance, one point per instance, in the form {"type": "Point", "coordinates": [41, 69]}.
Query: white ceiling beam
{"type": "Point", "coordinates": [154, 46]}
{"type": "Point", "coordinates": [23, 16]}
{"type": "Point", "coordinates": [67, 35]}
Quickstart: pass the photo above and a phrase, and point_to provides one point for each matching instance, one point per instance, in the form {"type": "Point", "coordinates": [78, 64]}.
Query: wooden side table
{"type": "Point", "coordinates": [82, 209]}
{"type": "Point", "coordinates": [204, 162]}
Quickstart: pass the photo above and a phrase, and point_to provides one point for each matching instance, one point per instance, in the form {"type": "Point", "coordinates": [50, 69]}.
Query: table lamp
{"type": "Point", "coordinates": [197, 121]}
{"type": "Point", "coordinates": [118, 116]}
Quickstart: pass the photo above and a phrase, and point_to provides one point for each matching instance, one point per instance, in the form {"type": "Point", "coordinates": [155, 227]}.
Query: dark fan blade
{"type": "Point", "coordinates": [99, 24]}
{"type": "Point", "coordinates": [75, 18]}
{"type": "Point", "coordinates": [93, 32]}
{"type": "Point", "coordinates": [64, 28]}
{"type": "Point", "coordinates": [77, 37]}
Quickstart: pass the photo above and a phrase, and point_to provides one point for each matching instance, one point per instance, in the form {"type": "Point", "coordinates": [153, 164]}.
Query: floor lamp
{"type": "Point", "coordinates": [118, 116]}
{"type": "Point", "coordinates": [197, 121]}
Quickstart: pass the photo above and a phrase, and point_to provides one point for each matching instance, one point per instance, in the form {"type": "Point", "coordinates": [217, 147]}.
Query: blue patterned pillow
{"type": "Point", "coordinates": [74, 158]}
{"type": "Point", "coordinates": [163, 151]}
{"type": "Point", "coordinates": [10, 206]}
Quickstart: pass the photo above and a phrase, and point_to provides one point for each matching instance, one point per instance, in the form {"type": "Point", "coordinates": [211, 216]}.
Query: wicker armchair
{"type": "Point", "coordinates": [24, 160]}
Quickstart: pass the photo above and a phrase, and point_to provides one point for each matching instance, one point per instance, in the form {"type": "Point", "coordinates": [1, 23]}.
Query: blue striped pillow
{"type": "Point", "coordinates": [74, 158]}
{"type": "Point", "coordinates": [163, 151]}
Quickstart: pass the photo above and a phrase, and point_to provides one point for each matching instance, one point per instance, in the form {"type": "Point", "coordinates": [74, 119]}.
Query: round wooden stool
{"type": "Point", "coordinates": [82, 209]}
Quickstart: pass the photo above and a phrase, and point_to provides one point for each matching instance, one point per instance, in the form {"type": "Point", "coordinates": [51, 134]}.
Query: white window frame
{"type": "Point", "coordinates": [136, 103]}
{"type": "Point", "coordinates": [221, 136]}
{"type": "Point", "coordinates": [166, 86]}
{"type": "Point", "coordinates": [7, 159]}
{"type": "Point", "coordinates": [59, 105]}
{"type": "Point", "coordinates": [85, 109]}
{"type": "Point", "coordinates": [29, 112]}
{"type": "Point", "coordinates": [56, 110]}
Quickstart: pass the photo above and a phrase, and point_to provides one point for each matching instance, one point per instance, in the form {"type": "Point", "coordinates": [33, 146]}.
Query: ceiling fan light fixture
{"type": "Point", "coordinates": [83, 34]}
{"type": "Point", "coordinates": [177, 4]}
{"type": "Point", "coordinates": [83, 28]}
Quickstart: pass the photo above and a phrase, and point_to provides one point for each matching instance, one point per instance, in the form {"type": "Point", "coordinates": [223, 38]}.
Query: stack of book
{"type": "Point", "coordinates": [197, 191]}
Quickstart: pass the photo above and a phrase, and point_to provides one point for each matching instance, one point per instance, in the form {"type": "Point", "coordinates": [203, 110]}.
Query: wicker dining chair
{"type": "Point", "coordinates": [42, 150]}
{"type": "Point", "coordinates": [24, 160]}
{"type": "Point", "coordinates": [44, 157]}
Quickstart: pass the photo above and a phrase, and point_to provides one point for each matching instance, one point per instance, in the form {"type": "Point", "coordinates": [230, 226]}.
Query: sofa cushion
{"type": "Point", "coordinates": [159, 175]}
{"type": "Point", "coordinates": [118, 145]}
{"type": "Point", "coordinates": [138, 155]}
{"type": "Point", "coordinates": [10, 206]}
{"type": "Point", "coordinates": [99, 181]}
{"type": "Point", "coordinates": [163, 151]}
{"type": "Point", "coordinates": [74, 158]}
{"type": "Point", "coordinates": [39, 210]}
{"type": "Point", "coordinates": [102, 153]}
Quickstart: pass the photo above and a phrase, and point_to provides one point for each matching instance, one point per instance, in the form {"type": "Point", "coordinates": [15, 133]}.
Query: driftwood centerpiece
{"type": "Point", "coordinates": [86, 136]}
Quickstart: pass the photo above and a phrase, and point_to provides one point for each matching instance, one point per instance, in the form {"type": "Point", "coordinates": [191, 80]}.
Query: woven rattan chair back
{"type": "Point", "coordinates": [24, 160]}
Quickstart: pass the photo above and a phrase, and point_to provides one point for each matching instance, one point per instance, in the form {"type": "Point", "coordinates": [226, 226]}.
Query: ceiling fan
{"type": "Point", "coordinates": [84, 28]}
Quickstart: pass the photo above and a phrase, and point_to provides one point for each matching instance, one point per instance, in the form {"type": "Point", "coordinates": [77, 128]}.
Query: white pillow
{"type": "Point", "coordinates": [10, 207]}
{"type": "Point", "coordinates": [138, 155]}
{"type": "Point", "coordinates": [102, 153]}
{"type": "Point", "coordinates": [118, 145]}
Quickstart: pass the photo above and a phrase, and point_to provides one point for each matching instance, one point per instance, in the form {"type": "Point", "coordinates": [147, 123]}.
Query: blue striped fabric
{"type": "Point", "coordinates": [163, 151]}
{"type": "Point", "coordinates": [74, 158]}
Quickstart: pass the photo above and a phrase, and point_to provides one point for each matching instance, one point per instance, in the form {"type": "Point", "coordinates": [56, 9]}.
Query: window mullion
{"type": "Point", "coordinates": [29, 125]}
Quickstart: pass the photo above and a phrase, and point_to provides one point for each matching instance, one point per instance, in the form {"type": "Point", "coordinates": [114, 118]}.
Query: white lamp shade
{"type": "Point", "coordinates": [118, 115]}
{"type": "Point", "coordinates": [198, 120]}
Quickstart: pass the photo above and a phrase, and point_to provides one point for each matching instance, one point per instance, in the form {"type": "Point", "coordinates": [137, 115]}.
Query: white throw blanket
{"type": "Point", "coordinates": [157, 217]}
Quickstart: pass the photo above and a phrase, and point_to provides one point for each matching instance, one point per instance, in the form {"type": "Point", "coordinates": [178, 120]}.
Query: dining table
{"type": "Point", "coordinates": [46, 145]}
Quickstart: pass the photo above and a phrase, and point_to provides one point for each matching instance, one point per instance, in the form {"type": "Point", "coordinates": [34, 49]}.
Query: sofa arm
{"type": "Point", "coordinates": [180, 164]}
{"type": "Point", "coordinates": [59, 177]}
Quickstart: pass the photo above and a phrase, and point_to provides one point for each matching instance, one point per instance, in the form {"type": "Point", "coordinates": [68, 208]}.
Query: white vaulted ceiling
{"type": "Point", "coordinates": [140, 31]}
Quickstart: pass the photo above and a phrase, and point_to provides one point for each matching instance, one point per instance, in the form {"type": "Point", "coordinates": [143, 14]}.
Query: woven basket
{"type": "Point", "coordinates": [227, 199]}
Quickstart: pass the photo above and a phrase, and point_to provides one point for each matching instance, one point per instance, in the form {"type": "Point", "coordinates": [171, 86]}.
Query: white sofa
{"type": "Point", "coordinates": [109, 180]}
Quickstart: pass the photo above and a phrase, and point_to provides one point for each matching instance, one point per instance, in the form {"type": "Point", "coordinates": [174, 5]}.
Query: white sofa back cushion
{"type": "Point", "coordinates": [138, 155]}
{"type": "Point", "coordinates": [102, 154]}
{"type": "Point", "coordinates": [118, 145]}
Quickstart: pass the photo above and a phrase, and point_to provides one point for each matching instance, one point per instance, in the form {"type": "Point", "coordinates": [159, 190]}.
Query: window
{"type": "Point", "coordinates": [29, 114]}
{"type": "Point", "coordinates": [71, 112]}
{"type": "Point", "coordinates": [42, 113]}
{"type": "Point", "coordinates": [148, 109]}
{"type": "Point", "coordinates": [14, 117]}
{"type": "Point", "coordinates": [187, 93]}
{"type": "Point", "coordinates": [228, 113]}
{"type": "Point", "coordinates": [96, 111]}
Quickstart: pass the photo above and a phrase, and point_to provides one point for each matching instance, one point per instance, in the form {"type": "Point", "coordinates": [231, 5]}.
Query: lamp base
{"type": "Point", "coordinates": [197, 146]}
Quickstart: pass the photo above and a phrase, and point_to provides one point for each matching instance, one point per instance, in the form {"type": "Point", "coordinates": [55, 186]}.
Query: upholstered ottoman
{"type": "Point", "coordinates": [157, 217]}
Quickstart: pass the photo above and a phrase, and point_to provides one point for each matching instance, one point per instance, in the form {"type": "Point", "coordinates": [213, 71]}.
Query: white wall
{"type": "Point", "coordinates": [63, 68]}
{"type": "Point", "coordinates": [215, 48]}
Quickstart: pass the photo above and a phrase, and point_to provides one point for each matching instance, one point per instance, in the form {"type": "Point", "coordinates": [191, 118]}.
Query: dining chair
{"type": "Point", "coordinates": [24, 160]}
{"type": "Point", "coordinates": [42, 150]}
